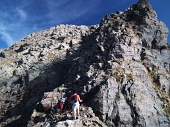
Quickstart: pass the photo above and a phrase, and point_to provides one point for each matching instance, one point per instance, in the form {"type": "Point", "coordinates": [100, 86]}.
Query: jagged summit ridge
{"type": "Point", "coordinates": [121, 68]}
{"type": "Point", "coordinates": [142, 19]}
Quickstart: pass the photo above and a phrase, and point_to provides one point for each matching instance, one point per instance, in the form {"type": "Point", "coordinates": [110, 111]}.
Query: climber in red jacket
{"type": "Point", "coordinates": [75, 99]}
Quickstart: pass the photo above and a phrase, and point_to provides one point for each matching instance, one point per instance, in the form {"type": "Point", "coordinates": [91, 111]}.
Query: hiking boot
{"type": "Point", "coordinates": [78, 117]}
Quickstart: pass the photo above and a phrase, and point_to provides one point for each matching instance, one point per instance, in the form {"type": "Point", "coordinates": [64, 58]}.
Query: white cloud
{"type": "Point", "coordinates": [68, 10]}
{"type": "Point", "coordinates": [4, 35]}
{"type": "Point", "coordinates": [21, 13]}
{"type": "Point", "coordinates": [12, 22]}
{"type": "Point", "coordinates": [22, 18]}
{"type": "Point", "coordinates": [6, 38]}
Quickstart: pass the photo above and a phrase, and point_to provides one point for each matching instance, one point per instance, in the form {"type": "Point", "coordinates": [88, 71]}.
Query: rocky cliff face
{"type": "Point", "coordinates": [121, 69]}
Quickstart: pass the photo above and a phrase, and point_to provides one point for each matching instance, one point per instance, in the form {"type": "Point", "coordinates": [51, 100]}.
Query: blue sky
{"type": "Point", "coordinates": [19, 18]}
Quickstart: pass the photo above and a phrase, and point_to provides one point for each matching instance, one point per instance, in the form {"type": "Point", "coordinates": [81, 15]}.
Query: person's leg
{"type": "Point", "coordinates": [61, 105]}
{"type": "Point", "coordinates": [74, 114]}
{"type": "Point", "coordinates": [74, 111]}
{"type": "Point", "coordinates": [78, 110]}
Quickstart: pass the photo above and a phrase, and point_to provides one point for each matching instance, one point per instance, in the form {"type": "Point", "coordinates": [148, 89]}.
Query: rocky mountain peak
{"type": "Point", "coordinates": [143, 1]}
{"type": "Point", "coordinates": [142, 9]}
{"type": "Point", "coordinates": [120, 68]}
{"type": "Point", "coordinates": [142, 22]}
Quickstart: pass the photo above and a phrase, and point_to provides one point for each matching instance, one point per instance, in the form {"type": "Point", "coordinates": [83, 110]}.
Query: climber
{"type": "Point", "coordinates": [62, 102]}
{"type": "Point", "coordinates": [75, 99]}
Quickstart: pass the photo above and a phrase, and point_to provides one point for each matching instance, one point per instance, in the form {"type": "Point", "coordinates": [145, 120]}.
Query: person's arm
{"type": "Point", "coordinates": [79, 99]}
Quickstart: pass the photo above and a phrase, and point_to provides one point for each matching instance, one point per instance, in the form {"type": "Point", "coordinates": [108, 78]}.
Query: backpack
{"type": "Point", "coordinates": [75, 99]}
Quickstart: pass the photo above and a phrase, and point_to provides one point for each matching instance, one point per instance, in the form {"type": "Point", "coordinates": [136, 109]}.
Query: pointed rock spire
{"type": "Point", "coordinates": [145, 5]}
{"type": "Point", "coordinates": [143, 1]}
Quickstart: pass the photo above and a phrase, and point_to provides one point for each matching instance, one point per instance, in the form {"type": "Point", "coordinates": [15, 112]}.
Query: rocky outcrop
{"type": "Point", "coordinates": [121, 68]}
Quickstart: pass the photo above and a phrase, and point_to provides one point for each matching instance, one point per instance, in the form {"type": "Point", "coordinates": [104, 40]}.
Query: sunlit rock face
{"type": "Point", "coordinates": [120, 68]}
